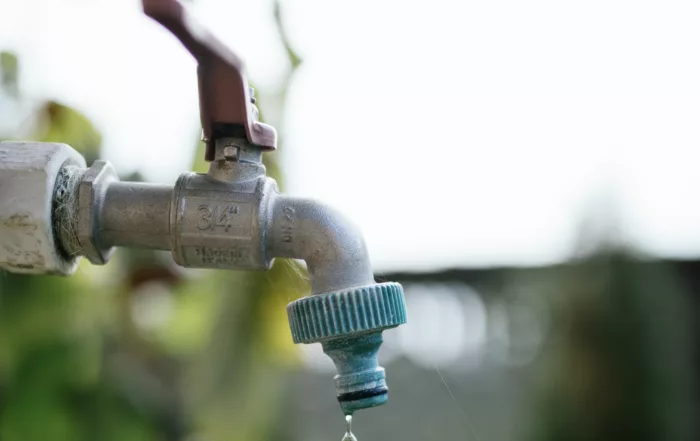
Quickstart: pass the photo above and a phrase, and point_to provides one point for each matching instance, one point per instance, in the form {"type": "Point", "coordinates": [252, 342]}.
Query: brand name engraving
{"type": "Point", "coordinates": [220, 256]}
{"type": "Point", "coordinates": [287, 226]}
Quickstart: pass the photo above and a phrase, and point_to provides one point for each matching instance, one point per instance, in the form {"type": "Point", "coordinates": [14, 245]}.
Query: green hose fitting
{"type": "Point", "coordinates": [349, 326]}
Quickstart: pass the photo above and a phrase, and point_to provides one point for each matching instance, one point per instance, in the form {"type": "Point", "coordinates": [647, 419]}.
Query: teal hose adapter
{"type": "Point", "coordinates": [349, 325]}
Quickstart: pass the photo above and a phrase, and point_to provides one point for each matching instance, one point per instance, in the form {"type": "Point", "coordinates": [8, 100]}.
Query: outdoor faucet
{"type": "Point", "coordinates": [54, 209]}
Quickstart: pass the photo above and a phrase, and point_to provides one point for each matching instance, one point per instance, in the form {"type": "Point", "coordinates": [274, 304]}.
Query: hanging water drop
{"type": "Point", "coordinates": [348, 429]}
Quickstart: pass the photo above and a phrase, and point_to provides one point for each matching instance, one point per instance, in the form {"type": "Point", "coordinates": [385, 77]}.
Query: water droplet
{"type": "Point", "coordinates": [348, 429]}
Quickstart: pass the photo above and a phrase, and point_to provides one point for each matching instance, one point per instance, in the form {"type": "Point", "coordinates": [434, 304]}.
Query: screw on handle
{"type": "Point", "coordinates": [225, 101]}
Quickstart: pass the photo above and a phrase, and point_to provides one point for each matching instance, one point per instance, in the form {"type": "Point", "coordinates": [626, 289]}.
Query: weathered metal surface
{"type": "Point", "coordinates": [330, 244]}
{"type": "Point", "coordinates": [221, 225]}
{"type": "Point", "coordinates": [136, 214]}
{"type": "Point", "coordinates": [28, 178]}
{"type": "Point", "coordinates": [90, 203]}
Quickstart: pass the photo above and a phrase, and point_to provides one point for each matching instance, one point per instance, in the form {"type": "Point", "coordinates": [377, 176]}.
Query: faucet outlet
{"type": "Point", "coordinates": [349, 326]}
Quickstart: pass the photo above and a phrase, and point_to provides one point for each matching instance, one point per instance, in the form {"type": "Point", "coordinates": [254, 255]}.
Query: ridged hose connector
{"type": "Point", "coordinates": [349, 326]}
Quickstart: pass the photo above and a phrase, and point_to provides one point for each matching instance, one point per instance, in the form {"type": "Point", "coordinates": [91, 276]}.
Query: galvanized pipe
{"type": "Point", "coordinates": [332, 246]}
{"type": "Point", "coordinates": [136, 214]}
{"type": "Point", "coordinates": [221, 220]}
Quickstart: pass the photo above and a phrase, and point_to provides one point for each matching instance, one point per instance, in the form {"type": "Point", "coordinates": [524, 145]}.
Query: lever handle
{"type": "Point", "coordinates": [225, 103]}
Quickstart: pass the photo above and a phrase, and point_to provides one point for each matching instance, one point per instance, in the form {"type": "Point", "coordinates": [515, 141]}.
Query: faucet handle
{"type": "Point", "coordinates": [225, 99]}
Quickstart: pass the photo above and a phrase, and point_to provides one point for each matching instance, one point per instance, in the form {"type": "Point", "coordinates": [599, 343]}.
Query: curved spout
{"type": "Point", "coordinates": [347, 311]}
{"type": "Point", "coordinates": [331, 245]}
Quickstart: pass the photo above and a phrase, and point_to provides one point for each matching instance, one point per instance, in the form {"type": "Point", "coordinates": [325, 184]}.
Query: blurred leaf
{"type": "Point", "coordinates": [199, 164]}
{"type": "Point", "coordinates": [60, 123]}
{"type": "Point", "coordinates": [9, 73]}
{"type": "Point", "coordinates": [293, 57]}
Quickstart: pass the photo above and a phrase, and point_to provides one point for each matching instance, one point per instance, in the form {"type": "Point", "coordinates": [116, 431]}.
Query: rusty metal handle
{"type": "Point", "coordinates": [225, 103]}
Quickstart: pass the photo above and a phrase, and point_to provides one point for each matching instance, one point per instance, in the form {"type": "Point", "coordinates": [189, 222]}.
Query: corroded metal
{"type": "Point", "coordinates": [31, 174]}
{"type": "Point", "coordinates": [89, 211]}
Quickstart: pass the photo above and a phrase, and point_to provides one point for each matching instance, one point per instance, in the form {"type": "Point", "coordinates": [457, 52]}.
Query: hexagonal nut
{"type": "Point", "coordinates": [91, 193]}
{"type": "Point", "coordinates": [28, 176]}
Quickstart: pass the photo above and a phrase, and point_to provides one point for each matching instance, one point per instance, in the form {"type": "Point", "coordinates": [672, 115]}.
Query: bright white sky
{"type": "Point", "coordinates": [455, 133]}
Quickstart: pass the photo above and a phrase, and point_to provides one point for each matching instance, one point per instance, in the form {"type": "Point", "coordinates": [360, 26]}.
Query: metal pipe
{"type": "Point", "coordinates": [136, 214]}
{"type": "Point", "coordinates": [332, 246]}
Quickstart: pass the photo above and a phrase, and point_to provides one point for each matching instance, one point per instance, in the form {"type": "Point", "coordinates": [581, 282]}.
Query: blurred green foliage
{"type": "Point", "coordinates": [9, 73]}
{"type": "Point", "coordinates": [60, 123]}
